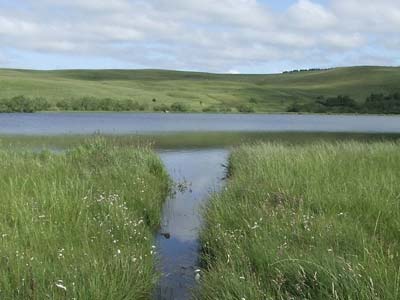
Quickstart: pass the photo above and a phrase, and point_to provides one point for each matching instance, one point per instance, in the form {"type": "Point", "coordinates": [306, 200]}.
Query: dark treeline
{"type": "Point", "coordinates": [100, 104]}
{"type": "Point", "coordinates": [23, 104]}
{"type": "Point", "coordinates": [29, 105]}
{"type": "Point", "coordinates": [373, 104]}
{"type": "Point", "coordinates": [304, 70]}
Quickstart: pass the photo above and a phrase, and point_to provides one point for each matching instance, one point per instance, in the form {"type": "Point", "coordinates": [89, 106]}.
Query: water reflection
{"type": "Point", "coordinates": [178, 252]}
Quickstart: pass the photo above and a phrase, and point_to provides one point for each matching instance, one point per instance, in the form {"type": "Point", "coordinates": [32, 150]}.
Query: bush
{"type": "Point", "coordinates": [104, 104]}
{"type": "Point", "coordinates": [161, 107]}
{"type": "Point", "coordinates": [373, 104]}
{"type": "Point", "coordinates": [179, 107]}
{"type": "Point", "coordinates": [23, 105]}
{"type": "Point", "coordinates": [245, 108]}
{"type": "Point", "coordinates": [210, 109]}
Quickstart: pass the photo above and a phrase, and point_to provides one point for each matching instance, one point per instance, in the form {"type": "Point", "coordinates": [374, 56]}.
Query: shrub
{"type": "Point", "coordinates": [210, 109]}
{"type": "Point", "coordinates": [161, 107]}
{"type": "Point", "coordinates": [245, 108]}
{"type": "Point", "coordinates": [179, 107]}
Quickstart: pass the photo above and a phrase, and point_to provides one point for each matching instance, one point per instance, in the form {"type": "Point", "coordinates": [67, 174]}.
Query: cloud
{"type": "Point", "coordinates": [305, 14]}
{"type": "Point", "coordinates": [207, 35]}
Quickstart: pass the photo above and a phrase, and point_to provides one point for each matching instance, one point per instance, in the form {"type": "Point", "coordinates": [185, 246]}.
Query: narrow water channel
{"type": "Point", "coordinates": [197, 173]}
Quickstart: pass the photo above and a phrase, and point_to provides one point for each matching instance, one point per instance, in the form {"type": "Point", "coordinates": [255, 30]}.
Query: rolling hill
{"type": "Point", "coordinates": [199, 91]}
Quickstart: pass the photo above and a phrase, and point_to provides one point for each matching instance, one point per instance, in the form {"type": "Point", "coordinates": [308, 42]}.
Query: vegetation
{"type": "Point", "coordinates": [187, 140]}
{"type": "Point", "coordinates": [318, 221]}
{"type": "Point", "coordinates": [157, 90]}
{"type": "Point", "coordinates": [23, 105]}
{"type": "Point", "coordinates": [245, 108]}
{"type": "Point", "coordinates": [375, 103]}
{"type": "Point", "coordinates": [79, 224]}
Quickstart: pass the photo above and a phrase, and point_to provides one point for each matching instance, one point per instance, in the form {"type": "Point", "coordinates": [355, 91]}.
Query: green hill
{"type": "Point", "coordinates": [158, 89]}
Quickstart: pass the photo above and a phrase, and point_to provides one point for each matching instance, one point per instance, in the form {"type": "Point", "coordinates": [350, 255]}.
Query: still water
{"type": "Point", "coordinates": [198, 173]}
{"type": "Point", "coordinates": [128, 123]}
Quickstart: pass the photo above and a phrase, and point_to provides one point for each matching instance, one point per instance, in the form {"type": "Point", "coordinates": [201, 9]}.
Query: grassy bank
{"type": "Point", "coordinates": [79, 224]}
{"type": "Point", "coordinates": [316, 221]}
{"type": "Point", "coordinates": [158, 90]}
{"type": "Point", "coordinates": [187, 140]}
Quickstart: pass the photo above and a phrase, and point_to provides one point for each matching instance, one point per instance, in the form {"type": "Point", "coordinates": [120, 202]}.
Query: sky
{"type": "Point", "coordinates": [222, 36]}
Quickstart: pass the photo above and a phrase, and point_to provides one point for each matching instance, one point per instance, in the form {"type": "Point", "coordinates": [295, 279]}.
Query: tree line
{"type": "Point", "coordinates": [373, 104]}
{"type": "Point", "coordinates": [24, 104]}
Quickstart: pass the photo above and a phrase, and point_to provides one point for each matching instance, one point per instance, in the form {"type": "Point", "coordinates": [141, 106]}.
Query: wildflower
{"type": "Point", "coordinates": [60, 285]}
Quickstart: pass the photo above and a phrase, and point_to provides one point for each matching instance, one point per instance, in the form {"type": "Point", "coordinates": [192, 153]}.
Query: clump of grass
{"type": "Point", "coordinates": [319, 221]}
{"type": "Point", "coordinates": [80, 224]}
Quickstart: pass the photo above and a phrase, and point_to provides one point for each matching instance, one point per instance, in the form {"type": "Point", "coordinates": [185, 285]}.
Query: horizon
{"type": "Point", "coordinates": [228, 36]}
{"type": "Point", "coordinates": [205, 72]}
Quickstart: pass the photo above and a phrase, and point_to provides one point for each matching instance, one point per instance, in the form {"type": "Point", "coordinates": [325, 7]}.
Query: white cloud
{"type": "Point", "coordinates": [343, 41]}
{"type": "Point", "coordinates": [202, 34]}
{"type": "Point", "coordinates": [233, 71]}
{"type": "Point", "coordinates": [308, 15]}
{"type": "Point", "coordinates": [371, 16]}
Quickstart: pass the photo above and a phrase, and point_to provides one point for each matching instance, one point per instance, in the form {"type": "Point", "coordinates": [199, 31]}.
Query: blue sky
{"type": "Point", "coordinates": [237, 36]}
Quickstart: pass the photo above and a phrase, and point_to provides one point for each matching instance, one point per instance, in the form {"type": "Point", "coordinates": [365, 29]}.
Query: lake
{"type": "Point", "coordinates": [130, 123]}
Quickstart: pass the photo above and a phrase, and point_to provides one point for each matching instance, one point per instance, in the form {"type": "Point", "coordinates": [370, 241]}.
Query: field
{"type": "Point", "coordinates": [80, 224]}
{"type": "Point", "coordinates": [318, 221]}
{"type": "Point", "coordinates": [158, 90]}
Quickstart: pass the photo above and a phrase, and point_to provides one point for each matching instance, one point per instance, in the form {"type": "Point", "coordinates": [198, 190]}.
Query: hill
{"type": "Point", "coordinates": [193, 91]}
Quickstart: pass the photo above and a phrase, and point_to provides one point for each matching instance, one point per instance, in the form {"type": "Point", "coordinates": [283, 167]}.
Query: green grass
{"type": "Point", "coordinates": [189, 140]}
{"type": "Point", "coordinates": [319, 221]}
{"type": "Point", "coordinates": [80, 224]}
{"type": "Point", "coordinates": [198, 91]}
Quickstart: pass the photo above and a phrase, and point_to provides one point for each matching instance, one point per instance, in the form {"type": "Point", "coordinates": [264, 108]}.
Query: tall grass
{"type": "Point", "coordinates": [180, 140]}
{"type": "Point", "coordinates": [319, 221]}
{"type": "Point", "coordinates": [80, 224]}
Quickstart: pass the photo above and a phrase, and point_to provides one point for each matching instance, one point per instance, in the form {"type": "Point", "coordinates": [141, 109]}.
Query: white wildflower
{"type": "Point", "coordinates": [60, 285]}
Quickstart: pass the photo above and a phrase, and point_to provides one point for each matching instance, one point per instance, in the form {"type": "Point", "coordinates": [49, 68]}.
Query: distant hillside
{"type": "Point", "coordinates": [192, 91]}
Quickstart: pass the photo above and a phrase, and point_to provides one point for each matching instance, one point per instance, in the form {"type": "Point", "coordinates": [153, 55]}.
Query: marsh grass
{"type": "Point", "coordinates": [318, 221]}
{"type": "Point", "coordinates": [79, 224]}
{"type": "Point", "coordinates": [187, 140]}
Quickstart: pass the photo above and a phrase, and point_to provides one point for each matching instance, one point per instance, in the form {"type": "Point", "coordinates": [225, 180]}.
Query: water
{"type": "Point", "coordinates": [128, 123]}
{"type": "Point", "coordinates": [201, 172]}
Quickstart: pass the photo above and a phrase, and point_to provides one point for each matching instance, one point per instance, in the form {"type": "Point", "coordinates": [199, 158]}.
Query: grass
{"type": "Point", "coordinates": [80, 224]}
{"type": "Point", "coordinates": [183, 140]}
{"type": "Point", "coordinates": [200, 91]}
{"type": "Point", "coordinates": [319, 221]}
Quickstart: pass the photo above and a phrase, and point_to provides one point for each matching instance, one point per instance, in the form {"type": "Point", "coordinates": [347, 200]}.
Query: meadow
{"type": "Point", "coordinates": [80, 224]}
{"type": "Point", "coordinates": [161, 90]}
{"type": "Point", "coordinates": [316, 221]}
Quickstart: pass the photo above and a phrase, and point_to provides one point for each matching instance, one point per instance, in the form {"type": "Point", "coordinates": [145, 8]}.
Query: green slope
{"type": "Point", "coordinates": [267, 93]}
